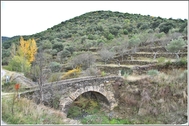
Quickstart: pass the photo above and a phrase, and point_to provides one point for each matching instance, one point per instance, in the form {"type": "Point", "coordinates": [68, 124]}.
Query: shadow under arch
{"type": "Point", "coordinates": [84, 100]}
{"type": "Point", "coordinates": [65, 103]}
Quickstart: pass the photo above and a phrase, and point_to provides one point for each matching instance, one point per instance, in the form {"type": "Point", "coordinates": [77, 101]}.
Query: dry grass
{"type": "Point", "coordinates": [136, 77]}
{"type": "Point", "coordinates": [26, 112]}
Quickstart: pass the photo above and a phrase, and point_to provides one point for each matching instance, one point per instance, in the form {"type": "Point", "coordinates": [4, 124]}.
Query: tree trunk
{"type": "Point", "coordinates": [177, 54]}
{"type": "Point", "coordinates": [155, 55]}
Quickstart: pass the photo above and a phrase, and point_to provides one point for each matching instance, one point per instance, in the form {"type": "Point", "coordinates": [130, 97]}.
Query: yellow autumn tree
{"type": "Point", "coordinates": [27, 49]}
{"type": "Point", "coordinates": [24, 56]}
{"type": "Point", "coordinates": [32, 50]}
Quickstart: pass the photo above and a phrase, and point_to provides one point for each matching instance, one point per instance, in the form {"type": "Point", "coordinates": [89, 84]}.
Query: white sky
{"type": "Point", "coordinates": [30, 17]}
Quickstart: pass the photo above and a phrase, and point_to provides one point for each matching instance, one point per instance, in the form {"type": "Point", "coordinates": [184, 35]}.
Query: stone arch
{"type": "Point", "coordinates": [66, 102]}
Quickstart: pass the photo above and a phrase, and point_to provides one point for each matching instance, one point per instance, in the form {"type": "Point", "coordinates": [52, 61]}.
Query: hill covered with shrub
{"type": "Point", "coordinates": [99, 29]}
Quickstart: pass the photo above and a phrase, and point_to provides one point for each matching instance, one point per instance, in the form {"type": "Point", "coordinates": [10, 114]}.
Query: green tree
{"type": "Point", "coordinates": [5, 56]}
{"type": "Point", "coordinates": [46, 44]}
{"type": "Point", "coordinates": [176, 45]}
{"type": "Point", "coordinates": [58, 46]}
{"type": "Point", "coordinates": [165, 27]}
{"type": "Point", "coordinates": [19, 64]}
{"type": "Point", "coordinates": [64, 54]}
{"type": "Point", "coordinates": [55, 66]}
{"type": "Point", "coordinates": [84, 60]}
{"type": "Point", "coordinates": [106, 55]}
{"type": "Point", "coordinates": [134, 42]}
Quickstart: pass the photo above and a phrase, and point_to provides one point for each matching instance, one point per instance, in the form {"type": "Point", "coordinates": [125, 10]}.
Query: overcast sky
{"type": "Point", "coordinates": [30, 17]}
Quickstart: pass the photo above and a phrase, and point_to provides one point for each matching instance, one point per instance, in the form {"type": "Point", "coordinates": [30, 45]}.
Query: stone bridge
{"type": "Point", "coordinates": [68, 90]}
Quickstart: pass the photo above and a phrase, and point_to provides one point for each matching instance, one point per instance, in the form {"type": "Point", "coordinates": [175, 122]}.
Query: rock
{"type": "Point", "coordinates": [161, 101]}
{"type": "Point", "coordinates": [142, 112]}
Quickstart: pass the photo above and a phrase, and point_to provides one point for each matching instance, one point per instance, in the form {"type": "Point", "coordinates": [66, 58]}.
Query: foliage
{"type": "Point", "coordinates": [74, 111]}
{"type": "Point", "coordinates": [64, 54]}
{"type": "Point", "coordinates": [176, 45]}
{"type": "Point", "coordinates": [85, 60]}
{"type": "Point", "coordinates": [27, 49]}
{"type": "Point", "coordinates": [103, 73]}
{"type": "Point", "coordinates": [126, 74]}
{"type": "Point", "coordinates": [106, 55]}
{"type": "Point", "coordinates": [72, 73]}
{"type": "Point", "coordinates": [8, 87]}
{"type": "Point", "coordinates": [100, 26]}
{"type": "Point", "coordinates": [160, 35]}
{"type": "Point", "coordinates": [153, 72]}
{"type": "Point", "coordinates": [110, 36]}
{"type": "Point", "coordinates": [58, 46]}
{"type": "Point", "coordinates": [82, 106]}
{"type": "Point", "coordinates": [161, 60]}
{"type": "Point", "coordinates": [165, 27]}
{"type": "Point", "coordinates": [101, 118]}
{"type": "Point", "coordinates": [35, 114]}
{"type": "Point", "coordinates": [22, 58]}
{"type": "Point", "coordinates": [46, 44]}
{"type": "Point", "coordinates": [55, 66]}
{"type": "Point", "coordinates": [91, 72]}
{"type": "Point", "coordinates": [122, 49]}
{"type": "Point", "coordinates": [134, 42]}
{"type": "Point", "coordinates": [181, 61]}
{"type": "Point", "coordinates": [54, 77]}
{"type": "Point", "coordinates": [19, 64]}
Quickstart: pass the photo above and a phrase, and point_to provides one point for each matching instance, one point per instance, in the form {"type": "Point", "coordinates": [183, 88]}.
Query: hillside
{"type": "Point", "coordinates": [4, 38]}
{"type": "Point", "coordinates": [100, 27]}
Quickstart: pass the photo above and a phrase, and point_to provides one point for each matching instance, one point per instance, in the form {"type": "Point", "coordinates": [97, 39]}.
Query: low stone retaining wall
{"type": "Point", "coordinates": [156, 49]}
{"type": "Point", "coordinates": [131, 62]}
{"type": "Point", "coordinates": [140, 69]}
{"type": "Point", "coordinates": [144, 69]}
{"type": "Point", "coordinates": [115, 70]}
{"type": "Point", "coordinates": [150, 55]}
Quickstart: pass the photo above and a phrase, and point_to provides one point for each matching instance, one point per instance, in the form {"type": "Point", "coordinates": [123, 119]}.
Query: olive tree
{"type": "Point", "coordinates": [84, 60]}
{"type": "Point", "coordinates": [106, 55]}
{"type": "Point", "coordinates": [134, 42]}
{"type": "Point", "coordinates": [175, 46]}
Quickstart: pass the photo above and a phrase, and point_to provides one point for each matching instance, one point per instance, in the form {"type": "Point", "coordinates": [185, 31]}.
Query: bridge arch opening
{"type": "Point", "coordinates": [87, 103]}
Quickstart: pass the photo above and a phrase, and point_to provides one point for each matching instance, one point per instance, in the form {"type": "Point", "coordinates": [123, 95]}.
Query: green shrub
{"type": "Point", "coordinates": [168, 63]}
{"type": "Point", "coordinates": [153, 72]}
{"type": "Point", "coordinates": [58, 46]}
{"type": "Point", "coordinates": [181, 62]}
{"type": "Point", "coordinates": [100, 118]}
{"type": "Point", "coordinates": [103, 73]}
{"type": "Point", "coordinates": [55, 66]}
{"type": "Point", "coordinates": [183, 76]}
{"type": "Point", "coordinates": [74, 111]}
{"type": "Point", "coordinates": [54, 77]}
{"type": "Point", "coordinates": [110, 36]}
{"type": "Point", "coordinates": [19, 64]}
{"type": "Point", "coordinates": [161, 60]}
{"type": "Point", "coordinates": [125, 32]}
{"type": "Point", "coordinates": [8, 87]}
